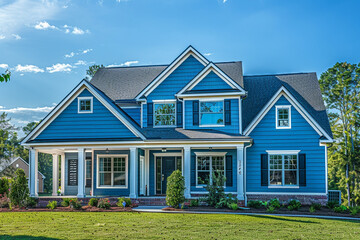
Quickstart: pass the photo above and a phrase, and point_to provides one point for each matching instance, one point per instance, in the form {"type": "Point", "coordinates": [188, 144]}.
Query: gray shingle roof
{"type": "Point", "coordinates": [303, 86]}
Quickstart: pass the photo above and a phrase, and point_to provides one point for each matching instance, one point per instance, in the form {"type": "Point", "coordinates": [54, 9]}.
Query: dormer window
{"type": "Point", "coordinates": [164, 114]}
{"type": "Point", "coordinates": [283, 117]}
{"type": "Point", "coordinates": [211, 113]}
{"type": "Point", "coordinates": [85, 104]}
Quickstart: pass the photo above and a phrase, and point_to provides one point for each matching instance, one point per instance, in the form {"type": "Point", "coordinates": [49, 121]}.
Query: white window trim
{"type": "Point", "coordinates": [112, 156]}
{"type": "Point", "coordinates": [276, 116]}
{"type": "Point", "coordinates": [282, 153]}
{"type": "Point", "coordinates": [91, 104]}
{"type": "Point", "coordinates": [169, 101]}
{"type": "Point", "coordinates": [212, 100]}
{"type": "Point", "coordinates": [209, 154]}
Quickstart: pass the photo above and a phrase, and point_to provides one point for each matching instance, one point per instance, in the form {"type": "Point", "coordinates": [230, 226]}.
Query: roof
{"type": "Point", "coordinates": [303, 86]}
{"type": "Point", "coordinates": [124, 83]}
{"type": "Point", "coordinates": [4, 164]}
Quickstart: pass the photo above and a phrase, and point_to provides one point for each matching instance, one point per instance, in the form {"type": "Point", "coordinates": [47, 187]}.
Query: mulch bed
{"type": "Point", "coordinates": [68, 209]}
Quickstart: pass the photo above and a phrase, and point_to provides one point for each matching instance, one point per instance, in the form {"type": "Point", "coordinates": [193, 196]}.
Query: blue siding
{"type": "Point", "coordinates": [134, 113]}
{"type": "Point", "coordinates": [110, 191]}
{"type": "Point", "coordinates": [301, 136]}
{"type": "Point", "coordinates": [99, 124]}
{"type": "Point", "coordinates": [234, 167]}
{"type": "Point", "coordinates": [211, 82]}
{"type": "Point", "coordinates": [144, 107]}
{"type": "Point", "coordinates": [233, 128]}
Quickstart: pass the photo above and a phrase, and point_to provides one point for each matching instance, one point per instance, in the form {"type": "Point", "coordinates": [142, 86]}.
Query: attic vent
{"type": "Point", "coordinates": [334, 195]}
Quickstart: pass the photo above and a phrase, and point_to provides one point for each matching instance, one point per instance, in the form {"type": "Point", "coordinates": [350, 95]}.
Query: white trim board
{"type": "Point", "coordinates": [284, 193]}
{"type": "Point", "coordinates": [66, 102]}
{"type": "Point", "coordinates": [177, 62]}
{"type": "Point", "coordinates": [284, 92]}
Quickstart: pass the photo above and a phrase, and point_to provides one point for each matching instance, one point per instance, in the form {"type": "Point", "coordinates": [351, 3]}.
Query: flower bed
{"type": "Point", "coordinates": [68, 209]}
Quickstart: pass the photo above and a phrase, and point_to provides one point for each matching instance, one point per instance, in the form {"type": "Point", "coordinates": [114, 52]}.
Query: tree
{"type": "Point", "coordinates": [340, 86]}
{"type": "Point", "coordinates": [175, 189]}
{"type": "Point", "coordinates": [92, 70]}
{"type": "Point", "coordinates": [19, 190]}
{"type": "Point", "coordinates": [5, 77]}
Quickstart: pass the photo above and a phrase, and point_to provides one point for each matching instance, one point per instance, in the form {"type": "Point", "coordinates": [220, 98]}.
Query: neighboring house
{"type": "Point", "coordinates": [124, 132]}
{"type": "Point", "coordinates": [9, 169]}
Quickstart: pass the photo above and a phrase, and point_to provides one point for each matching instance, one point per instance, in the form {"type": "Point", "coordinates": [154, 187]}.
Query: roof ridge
{"type": "Point", "coordinates": [279, 74]}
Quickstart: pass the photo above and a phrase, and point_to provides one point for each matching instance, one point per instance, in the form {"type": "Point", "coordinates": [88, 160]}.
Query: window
{"type": "Point", "coordinates": [164, 114]}
{"type": "Point", "coordinates": [208, 165]}
{"type": "Point", "coordinates": [283, 117]}
{"type": "Point", "coordinates": [85, 105]}
{"type": "Point", "coordinates": [283, 169]}
{"type": "Point", "coordinates": [212, 113]}
{"type": "Point", "coordinates": [112, 171]}
{"type": "Point", "coordinates": [88, 172]}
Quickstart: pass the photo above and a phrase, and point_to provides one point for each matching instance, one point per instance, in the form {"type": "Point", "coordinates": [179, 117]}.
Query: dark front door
{"type": "Point", "coordinates": [168, 167]}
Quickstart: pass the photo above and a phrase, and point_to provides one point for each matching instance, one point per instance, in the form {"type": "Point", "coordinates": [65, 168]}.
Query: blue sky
{"type": "Point", "coordinates": [48, 45]}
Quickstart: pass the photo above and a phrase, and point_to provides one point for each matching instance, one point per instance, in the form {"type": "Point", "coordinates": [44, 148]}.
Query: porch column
{"type": "Point", "coordinates": [134, 166]}
{"type": "Point", "coordinates": [147, 173]}
{"type": "Point", "coordinates": [240, 172]}
{"type": "Point", "coordinates": [55, 175]}
{"type": "Point", "coordinates": [33, 155]}
{"type": "Point", "coordinates": [187, 171]}
{"type": "Point", "coordinates": [62, 158]}
{"type": "Point", "coordinates": [81, 173]}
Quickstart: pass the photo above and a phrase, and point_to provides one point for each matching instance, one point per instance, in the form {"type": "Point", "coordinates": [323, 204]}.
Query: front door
{"type": "Point", "coordinates": [168, 166]}
{"type": "Point", "coordinates": [165, 166]}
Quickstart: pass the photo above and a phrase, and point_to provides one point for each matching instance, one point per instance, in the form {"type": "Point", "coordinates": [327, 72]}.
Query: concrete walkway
{"type": "Point", "coordinates": [158, 209]}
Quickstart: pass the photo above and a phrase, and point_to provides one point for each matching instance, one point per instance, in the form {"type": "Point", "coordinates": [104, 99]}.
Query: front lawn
{"type": "Point", "coordinates": [134, 225]}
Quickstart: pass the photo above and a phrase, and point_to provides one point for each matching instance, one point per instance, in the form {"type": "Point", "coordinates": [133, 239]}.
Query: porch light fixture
{"type": "Point", "coordinates": [210, 148]}
{"type": "Point", "coordinates": [107, 150]}
{"type": "Point", "coordinates": [163, 149]}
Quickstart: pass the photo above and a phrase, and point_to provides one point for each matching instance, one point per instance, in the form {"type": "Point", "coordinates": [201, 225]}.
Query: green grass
{"type": "Point", "coordinates": [133, 225]}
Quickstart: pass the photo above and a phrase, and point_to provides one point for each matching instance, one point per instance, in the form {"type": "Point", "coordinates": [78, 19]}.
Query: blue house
{"type": "Point", "coordinates": [125, 131]}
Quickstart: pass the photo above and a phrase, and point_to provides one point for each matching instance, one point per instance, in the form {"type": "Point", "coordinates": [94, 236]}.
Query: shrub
{"type": "Point", "coordinates": [4, 200]}
{"type": "Point", "coordinates": [316, 206]}
{"type": "Point", "coordinates": [255, 204]}
{"type": "Point", "coordinates": [121, 200]}
{"type": "Point", "coordinates": [354, 210]}
{"type": "Point", "coordinates": [31, 202]}
{"type": "Point", "coordinates": [340, 209]}
{"type": "Point", "coordinates": [104, 203]}
{"type": "Point", "coordinates": [274, 203]}
{"type": "Point", "coordinates": [93, 202]}
{"type": "Point", "coordinates": [66, 202]}
{"type": "Point", "coordinates": [271, 209]}
{"type": "Point", "coordinates": [52, 205]}
{"type": "Point", "coordinates": [233, 206]}
{"type": "Point", "coordinates": [294, 205]}
{"type": "Point", "coordinates": [4, 185]}
{"type": "Point", "coordinates": [215, 189]}
{"type": "Point", "coordinates": [312, 209]}
{"type": "Point", "coordinates": [75, 204]}
{"type": "Point", "coordinates": [19, 190]}
{"type": "Point", "coordinates": [226, 201]}
{"type": "Point", "coordinates": [175, 189]}
{"type": "Point", "coordinates": [194, 203]}
{"type": "Point", "coordinates": [332, 204]}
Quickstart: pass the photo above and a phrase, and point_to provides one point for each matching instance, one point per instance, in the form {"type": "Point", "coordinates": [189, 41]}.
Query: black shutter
{"type": "Point", "coordinates": [229, 171]}
{"type": "Point", "coordinates": [179, 113]}
{"type": "Point", "coordinates": [264, 169]}
{"type": "Point", "coordinates": [302, 169]}
{"type": "Point", "coordinates": [193, 171]}
{"type": "Point", "coordinates": [150, 115]}
{"type": "Point", "coordinates": [227, 103]}
{"type": "Point", "coordinates": [196, 113]}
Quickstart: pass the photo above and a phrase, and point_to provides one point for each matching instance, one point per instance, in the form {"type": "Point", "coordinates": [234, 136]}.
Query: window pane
{"type": "Point", "coordinates": [203, 177]}
{"type": "Point", "coordinates": [276, 162]}
{"type": "Point", "coordinates": [290, 161]}
{"type": "Point", "coordinates": [178, 163]}
{"type": "Point", "coordinates": [203, 163]}
{"type": "Point", "coordinates": [85, 105]}
{"type": "Point", "coordinates": [119, 179]}
{"type": "Point", "coordinates": [119, 165]}
{"type": "Point", "coordinates": [275, 177]}
{"type": "Point", "coordinates": [105, 164]}
{"type": "Point", "coordinates": [290, 177]}
{"type": "Point", "coordinates": [218, 163]}
{"type": "Point", "coordinates": [283, 117]}
{"type": "Point", "coordinates": [105, 179]}
{"type": "Point", "coordinates": [164, 114]}
{"type": "Point", "coordinates": [212, 118]}
{"type": "Point", "coordinates": [211, 107]}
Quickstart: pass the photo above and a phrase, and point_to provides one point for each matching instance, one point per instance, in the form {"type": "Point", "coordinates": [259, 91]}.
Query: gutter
{"type": "Point", "coordinates": [245, 163]}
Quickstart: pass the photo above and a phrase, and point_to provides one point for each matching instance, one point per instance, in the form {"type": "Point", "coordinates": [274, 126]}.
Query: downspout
{"type": "Point", "coordinates": [245, 163]}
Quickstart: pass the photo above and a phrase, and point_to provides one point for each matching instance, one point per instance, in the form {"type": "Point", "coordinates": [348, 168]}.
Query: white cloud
{"type": "Point", "coordinates": [2, 37]}
{"type": "Point", "coordinates": [17, 37]}
{"type": "Point", "coordinates": [44, 26]}
{"type": "Point", "coordinates": [125, 64]}
{"type": "Point", "coordinates": [4, 65]}
{"type": "Point", "coordinates": [59, 67]}
{"type": "Point", "coordinates": [80, 62]}
{"type": "Point", "coordinates": [25, 109]}
{"type": "Point", "coordinates": [70, 55]}
{"type": "Point", "coordinates": [80, 52]}
{"type": "Point", "coordinates": [28, 68]}
{"type": "Point", "coordinates": [207, 54]}
{"type": "Point", "coordinates": [74, 30]}
{"type": "Point", "coordinates": [224, 1]}
{"type": "Point", "coordinates": [78, 31]}
{"type": "Point", "coordinates": [86, 51]}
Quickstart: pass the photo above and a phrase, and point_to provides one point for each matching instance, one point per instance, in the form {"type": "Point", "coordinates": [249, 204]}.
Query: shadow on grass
{"type": "Point", "coordinates": [287, 219]}
{"type": "Point", "coordinates": [21, 237]}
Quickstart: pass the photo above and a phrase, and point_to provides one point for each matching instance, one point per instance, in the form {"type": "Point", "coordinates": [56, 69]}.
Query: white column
{"type": "Point", "coordinates": [81, 173]}
{"type": "Point", "coordinates": [55, 174]}
{"type": "Point", "coordinates": [240, 172]}
{"type": "Point", "coordinates": [62, 158]}
{"type": "Point", "coordinates": [133, 173]}
{"type": "Point", "coordinates": [187, 171]}
{"type": "Point", "coordinates": [33, 155]}
{"type": "Point", "coordinates": [147, 172]}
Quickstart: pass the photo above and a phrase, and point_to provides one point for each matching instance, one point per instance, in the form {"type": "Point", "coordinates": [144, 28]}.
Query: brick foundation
{"type": "Point", "coordinates": [304, 199]}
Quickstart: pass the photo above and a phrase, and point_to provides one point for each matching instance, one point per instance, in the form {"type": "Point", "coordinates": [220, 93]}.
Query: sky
{"type": "Point", "coordinates": [48, 44]}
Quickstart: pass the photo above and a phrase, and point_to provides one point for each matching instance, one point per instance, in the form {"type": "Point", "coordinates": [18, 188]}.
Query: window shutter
{"type": "Point", "coordinates": [302, 169]}
{"type": "Point", "coordinates": [196, 113]}
{"type": "Point", "coordinates": [229, 171]}
{"type": "Point", "coordinates": [179, 113]}
{"type": "Point", "coordinates": [193, 171]}
{"type": "Point", "coordinates": [227, 103]}
{"type": "Point", "coordinates": [264, 169]}
{"type": "Point", "coordinates": [150, 114]}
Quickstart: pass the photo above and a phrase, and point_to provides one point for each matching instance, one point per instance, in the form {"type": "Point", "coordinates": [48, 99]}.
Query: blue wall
{"type": "Point", "coordinates": [73, 125]}
{"type": "Point", "coordinates": [211, 82]}
{"type": "Point", "coordinates": [233, 128]}
{"type": "Point", "coordinates": [301, 136]}
{"type": "Point", "coordinates": [134, 113]}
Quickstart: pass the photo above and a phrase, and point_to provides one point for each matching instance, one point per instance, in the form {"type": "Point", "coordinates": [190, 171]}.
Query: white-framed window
{"type": "Point", "coordinates": [85, 104]}
{"type": "Point", "coordinates": [208, 164]}
{"type": "Point", "coordinates": [283, 169]}
{"type": "Point", "coordinates": [211, 113]}
{"type": "Point", "coordinates": [283, 117]}
{"type": "Point", "coordinates": [165, 114]}
{"type": "Point", "coordinates": [112, 171]}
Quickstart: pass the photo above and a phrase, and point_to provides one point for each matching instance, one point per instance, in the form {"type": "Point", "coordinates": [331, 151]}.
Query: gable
{"type": "Point", "coordinates": [212, 81]}
{"type": "Point", "coordinates": [69, 125]}
{"type": "Point", "coordinates": [182, 75]}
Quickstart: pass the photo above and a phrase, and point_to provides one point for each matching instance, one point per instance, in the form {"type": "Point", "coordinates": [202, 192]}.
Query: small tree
{"type": "Point", "coordinates": [4, 185]}
{"type": "Point", "coordinates": [175, 189]}
{"type": "Point", "coordinates": [19, 190]}
{"type": "Point", "coordinates": [216, 188]}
